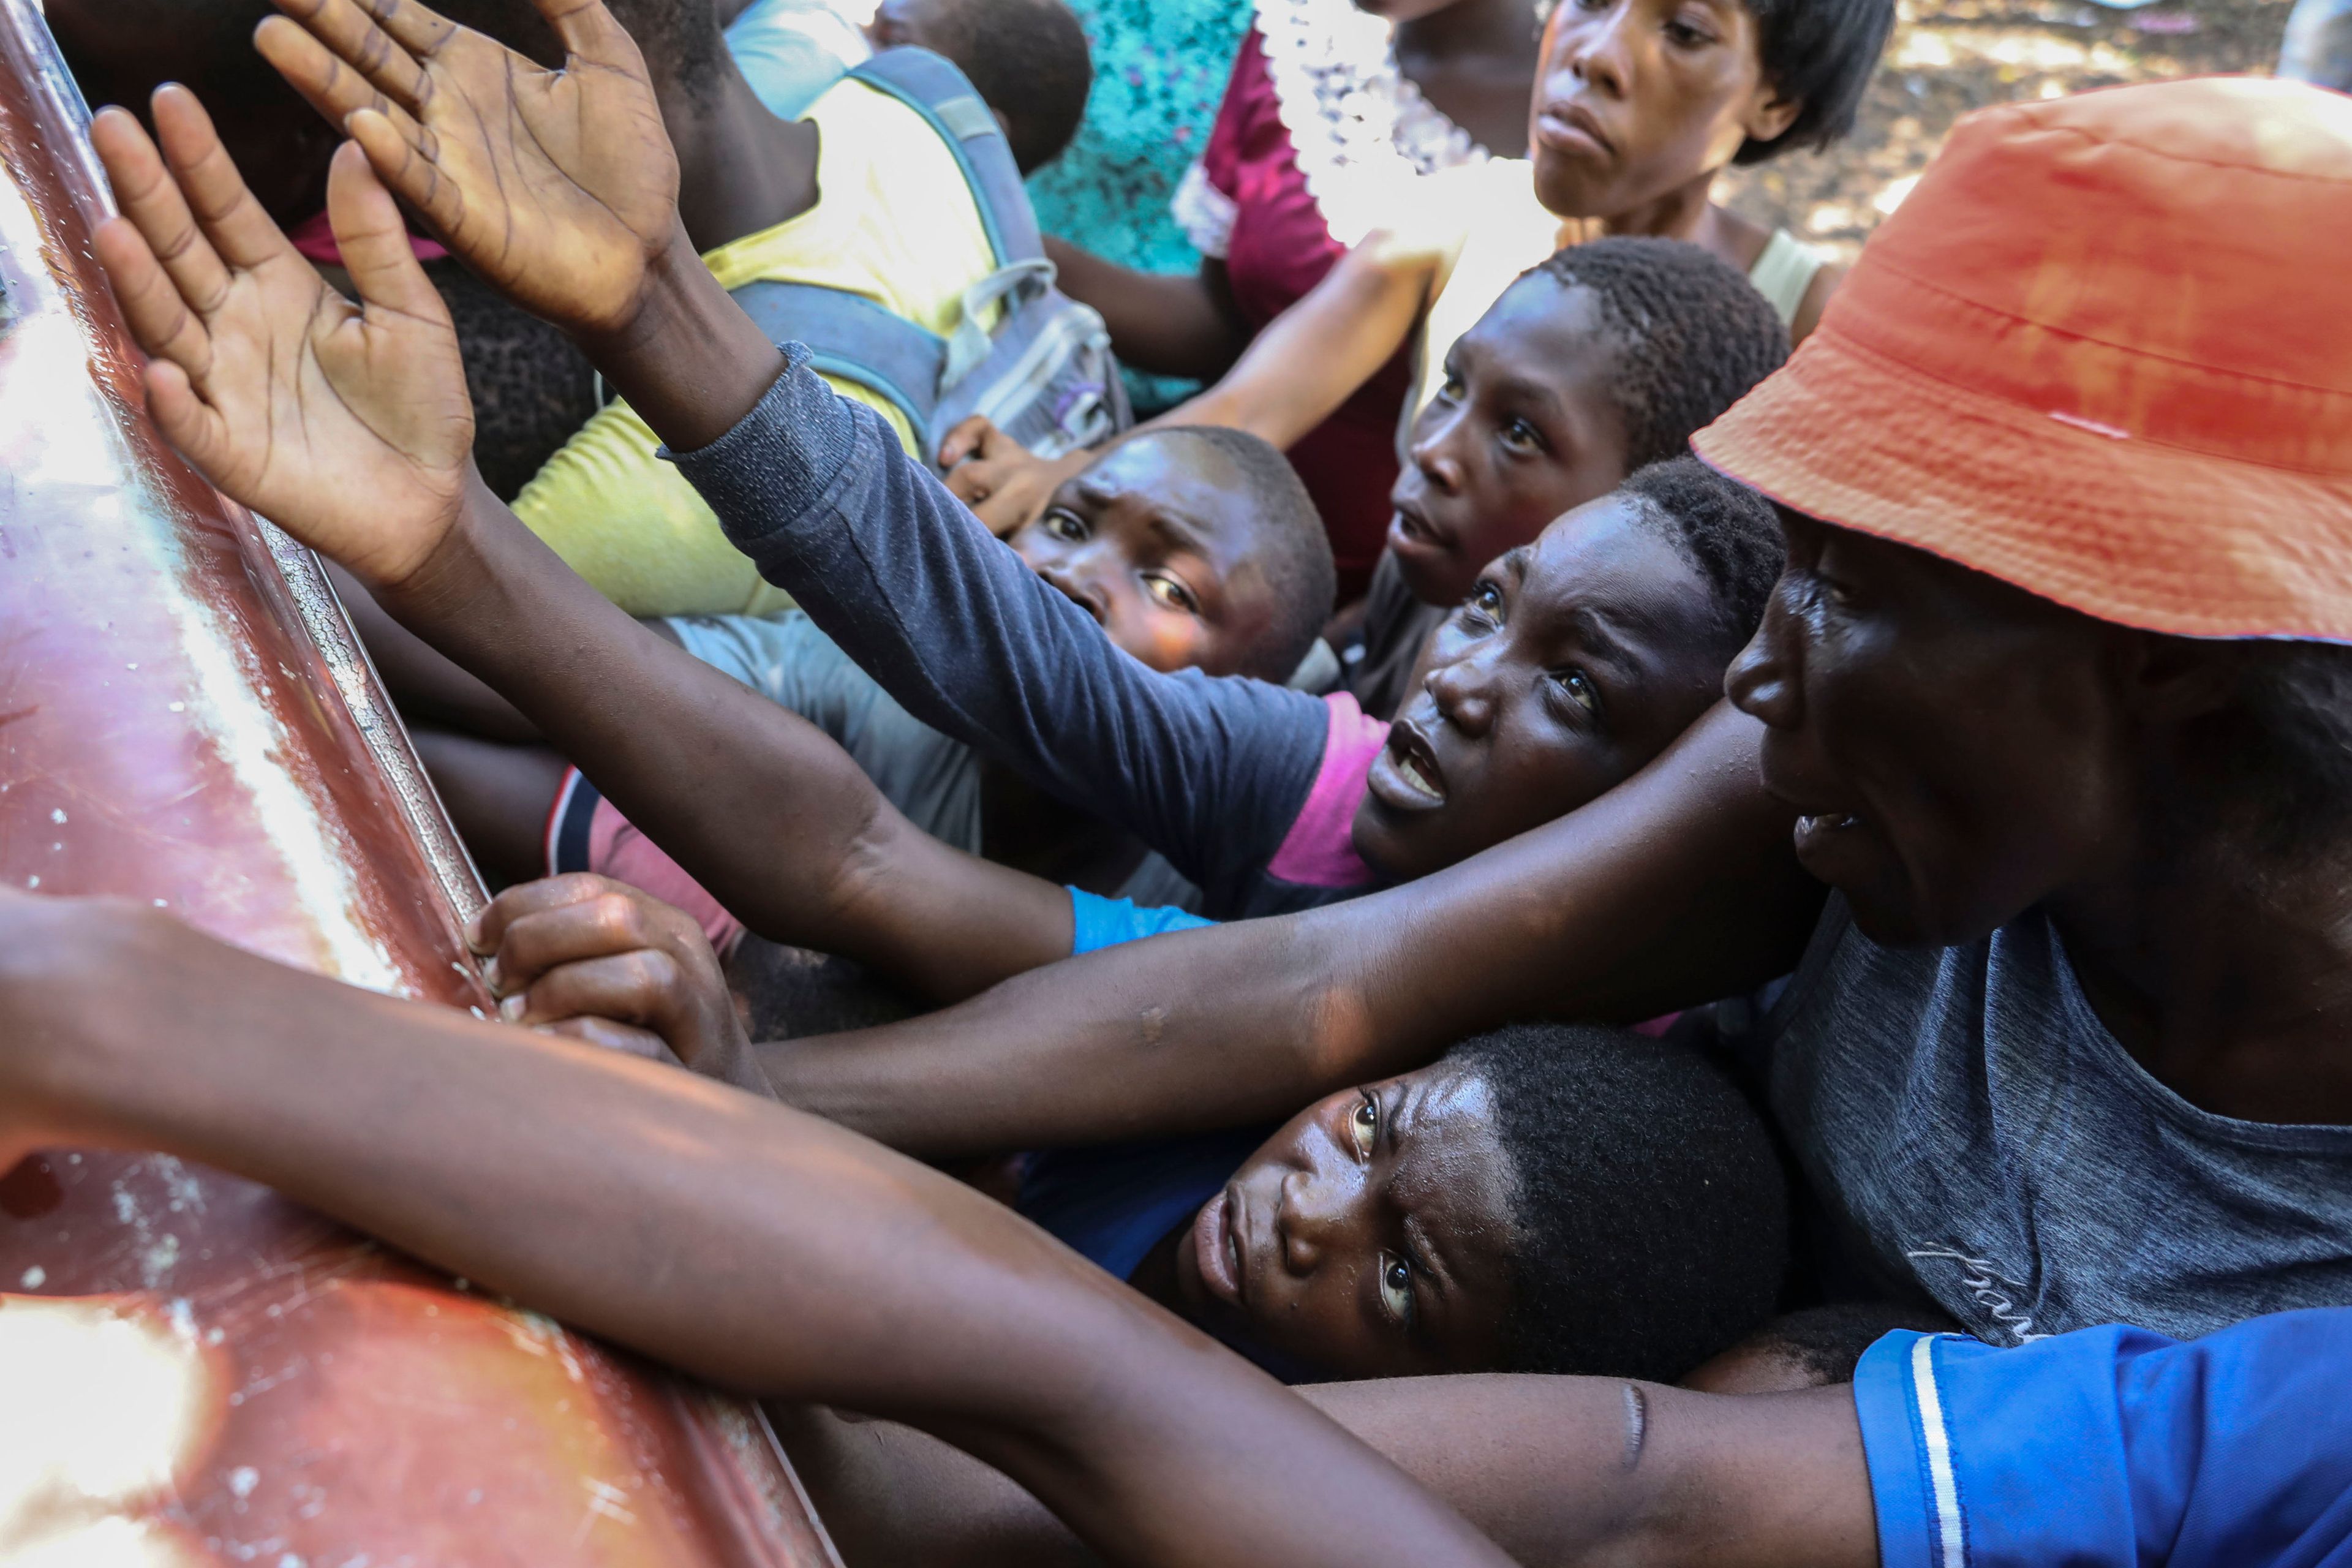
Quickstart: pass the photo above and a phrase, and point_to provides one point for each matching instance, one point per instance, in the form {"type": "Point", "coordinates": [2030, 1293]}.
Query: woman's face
{"type": "Point", "coordinates": [1640, 98]}
{"type": "Point", "coordinates": [1961, 748]}
{"type": "Point", "coordinates": [1370, 1238]}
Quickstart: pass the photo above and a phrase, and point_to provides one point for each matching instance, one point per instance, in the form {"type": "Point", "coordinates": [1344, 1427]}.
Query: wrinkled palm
{"type": "Point", "coordinates": [558, 186]}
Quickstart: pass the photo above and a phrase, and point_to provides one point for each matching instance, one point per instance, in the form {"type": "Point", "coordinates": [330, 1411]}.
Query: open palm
{"type": "Point", "coordinates": [558, 186]}
{"type": "Point", "coordinates": [346, 425]}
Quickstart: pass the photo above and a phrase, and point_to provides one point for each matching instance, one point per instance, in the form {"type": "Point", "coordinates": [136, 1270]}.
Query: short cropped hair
{"type": "Point", "coordinates": [1029, 61]}
{"type": "Point", "coordinates": [1820, 53]}
{"type": "Point", "coordinates": [1728, 533]}
{"type": "Point", "coordinates": [1293, 553]}
{"type": "Point", "coordinates": [1650, 1211]}
{"type": "Point", "coordinates": [1692, 336]}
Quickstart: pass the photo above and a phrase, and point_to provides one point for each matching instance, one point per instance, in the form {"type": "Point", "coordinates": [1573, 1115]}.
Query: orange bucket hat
{"type": "Point", "coordinates": [2102, 352]}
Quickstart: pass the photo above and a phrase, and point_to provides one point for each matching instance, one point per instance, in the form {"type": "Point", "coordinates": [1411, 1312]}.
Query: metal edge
{"type": "Point", "coordinates": [354, 674]}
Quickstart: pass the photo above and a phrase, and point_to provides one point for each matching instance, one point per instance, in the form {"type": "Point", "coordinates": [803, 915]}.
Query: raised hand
{"type": "Point", "coordinates": [346, 425]}
{"type": "Point", "coordinates": [560, 188]}
{"type": "Point", "coordinates": [596, 959]}
{"type": "Point", "coordinates": [1004, 482]}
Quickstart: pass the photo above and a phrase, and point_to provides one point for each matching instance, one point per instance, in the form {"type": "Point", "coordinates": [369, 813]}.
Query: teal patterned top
{"type": "Point", "coordinates": [1159, 73]}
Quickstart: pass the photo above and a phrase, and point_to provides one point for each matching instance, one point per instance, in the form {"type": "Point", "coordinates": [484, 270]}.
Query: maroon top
{"type": "Point", "coordinates": [1280, 249]}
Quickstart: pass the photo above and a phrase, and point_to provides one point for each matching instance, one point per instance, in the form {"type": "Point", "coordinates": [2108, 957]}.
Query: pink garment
{"type": "Point", "coordinates": [617, 849]}
{"type": "Point", "coordinates": [1319, 850]}
{"type": "Point", "coordinates": [315, 239]}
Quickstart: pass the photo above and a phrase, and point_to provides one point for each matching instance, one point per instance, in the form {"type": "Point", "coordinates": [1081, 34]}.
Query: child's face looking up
{"type": "Point", "coordinates": [1154, 540]}
{"type": "Point", "coordinates": [1522, 430]}
{"type": "Point", "coordinates": [1638, 99]}
{"type": "Point", "coordinates": [1370, 1238]}
{"type": "Point", "coordinates": [1573, 662]}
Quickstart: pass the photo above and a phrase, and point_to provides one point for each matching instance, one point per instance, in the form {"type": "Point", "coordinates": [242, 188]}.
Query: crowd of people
{"type": "Point", "coordinates": [1554, 881]}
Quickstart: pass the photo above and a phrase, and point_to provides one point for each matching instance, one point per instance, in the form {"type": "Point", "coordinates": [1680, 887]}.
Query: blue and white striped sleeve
{"type": "Point", "coordinates": [2114, 1447]}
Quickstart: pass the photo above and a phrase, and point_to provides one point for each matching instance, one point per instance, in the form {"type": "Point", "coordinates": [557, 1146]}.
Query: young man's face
{"type": "Point", "coordinates": [1369, 1238]}
{"type": "Point", "coordinates": [1638, 98]}
{"type": "Point", "coordinates": [1154, 541]}
{"type": "Point", "coordinates": [1573, 662]}
{"type": "Point", "coordinates": [1522, 430]}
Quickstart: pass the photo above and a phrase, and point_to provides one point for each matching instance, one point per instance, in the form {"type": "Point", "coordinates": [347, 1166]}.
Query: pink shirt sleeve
{"type": "Point", "coordinates": [1319, 850]}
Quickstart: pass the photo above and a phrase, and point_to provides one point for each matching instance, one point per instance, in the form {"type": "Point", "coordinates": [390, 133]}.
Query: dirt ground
{"type": "Point", "coordinates": [1948, 56]}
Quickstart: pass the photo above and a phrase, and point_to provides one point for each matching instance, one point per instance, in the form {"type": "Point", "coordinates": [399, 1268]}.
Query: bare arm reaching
{"type": "Point", "coordinates": [1676, 888]}
{"type": "Point", "coordinates": [760, 1249]}
{"type": "Point", "coordinates": [348, 425]}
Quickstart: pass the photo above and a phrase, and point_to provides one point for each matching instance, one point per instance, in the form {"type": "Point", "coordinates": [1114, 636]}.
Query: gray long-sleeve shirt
{"type": "Point", "coordinates": [1213, 771]}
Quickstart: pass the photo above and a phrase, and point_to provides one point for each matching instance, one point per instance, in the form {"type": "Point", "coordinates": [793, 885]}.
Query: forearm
{"type": "Point", "coordinates": [689, 362]}
{"type": "Point", "coordinates": [425, 685]}
{"type": "Point", "coordinates": [1167, 323]}
{"type": "Point", "coordinates": [1313, 357]}
{"type": "Point", "coordinates": [1560, 1472]}
{"type": "Point", "coordinates": [756, 804]}
{"type": "Point", "coordinates": [1678, 887]}
{"type": "Point", "coordinates": [750, 1246]}
{"type": "Point", "coordinates": [973, 642]}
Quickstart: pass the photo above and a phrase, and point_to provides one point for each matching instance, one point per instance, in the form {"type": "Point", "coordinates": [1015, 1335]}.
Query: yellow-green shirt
{"type": "Point", "coordinates": [895, 222]}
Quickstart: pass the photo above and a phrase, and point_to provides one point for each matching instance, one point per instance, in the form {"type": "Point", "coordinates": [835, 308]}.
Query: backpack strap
{"type": "Point", "coordinates": [934, 88]}
{"type": "Point", "coordinates": [851, 337]}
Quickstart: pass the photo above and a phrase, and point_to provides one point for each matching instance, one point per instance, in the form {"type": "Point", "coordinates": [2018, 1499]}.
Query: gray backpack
{"type": "Point", "coordinates": [1045, 376]}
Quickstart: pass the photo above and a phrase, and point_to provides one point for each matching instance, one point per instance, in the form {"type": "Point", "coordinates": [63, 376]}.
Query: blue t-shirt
{"type": "Point", "coordinates": [2115, 1447]}
{"type": "Point", "coordinates": [1113, 1205]}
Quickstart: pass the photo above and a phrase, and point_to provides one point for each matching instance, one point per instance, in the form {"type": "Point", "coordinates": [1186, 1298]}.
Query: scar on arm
{"type": "Point", "coordinates": [1637, 1424]}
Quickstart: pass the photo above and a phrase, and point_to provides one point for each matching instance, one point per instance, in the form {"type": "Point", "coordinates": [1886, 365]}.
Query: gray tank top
{"type": "Point", "coordinates": [1981, 1137]}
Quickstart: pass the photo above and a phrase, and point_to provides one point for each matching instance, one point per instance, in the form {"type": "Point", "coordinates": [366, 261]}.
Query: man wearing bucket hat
{"type": "Point", "coordinates": [2054, 688]}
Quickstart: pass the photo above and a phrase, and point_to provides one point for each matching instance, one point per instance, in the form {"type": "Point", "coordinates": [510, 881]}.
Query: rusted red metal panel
{"type": "Point", "coordinates": [194, 1370]}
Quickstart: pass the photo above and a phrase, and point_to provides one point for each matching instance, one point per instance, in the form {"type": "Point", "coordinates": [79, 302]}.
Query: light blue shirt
{"type": "Point", "coordinates": [792, 50]}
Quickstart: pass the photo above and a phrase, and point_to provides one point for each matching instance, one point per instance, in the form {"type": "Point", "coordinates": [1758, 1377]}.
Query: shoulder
{"type": "Point", "coordinates": [1795, 278]}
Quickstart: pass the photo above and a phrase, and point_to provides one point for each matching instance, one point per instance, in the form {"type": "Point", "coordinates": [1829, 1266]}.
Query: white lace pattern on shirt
{"type": "Point", "coordinates": [1361, 132]}
{"type": "Point", "coordinates": [1204, 212]}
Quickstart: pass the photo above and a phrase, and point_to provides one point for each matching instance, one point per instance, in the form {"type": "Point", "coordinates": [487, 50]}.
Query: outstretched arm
{"type": "Point", "coordinates": [1676, 888]}
{"type": "Point", "coordinates": [751, 1246]}
{"type": "Point", "coordinates": [817, 494]}
{"type": "Point", "coordinates": [1556, 1470]}
{"type": "Point", "coordinates": [1559, 1471]}
{"type": "Point", "coordinates": [349, 426]}
{"type": "Point", "coordinates": [1313, 357]}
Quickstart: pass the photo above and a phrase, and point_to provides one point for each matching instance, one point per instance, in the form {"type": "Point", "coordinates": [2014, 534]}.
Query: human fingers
{"type": "Point", "coordinates": [166, 305]}
{"type": "Point", "coordinates": [241, 233]}
{"type": "Point", "coordinates": [162, 322]}
{"type": "Point", "coordinates": [585, 28]}
{"type": "Point", "coordinates": [488, 929]}
{"type": "Point", "coordinates": [405, 164]}
{"type": "Point", "coordinates": [964, 439]}
{"type": "Point", "coordinates": [619, 921]}
{"type": "Point", "coordinates": [333, 87]}
{"type": "Point", "coordinates": [348, 31]}
{"type": "Point", "coordinates": [186, 421]}
{"type": "Point", "coordinates": [374, 240]}
{"type": "Point", "coordinates": [389, 27]}
{"type": "Point", "coordinates": [643, 986]}
{"type": "Point", "coordinates": [605, 1034]}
